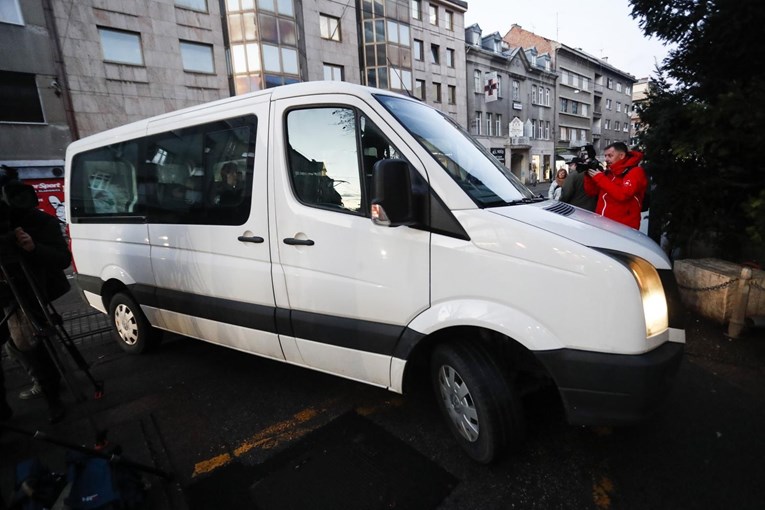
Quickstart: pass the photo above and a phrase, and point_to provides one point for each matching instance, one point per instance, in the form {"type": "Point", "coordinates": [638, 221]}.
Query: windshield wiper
{"type": "Point", "coordinates": [526, 200]}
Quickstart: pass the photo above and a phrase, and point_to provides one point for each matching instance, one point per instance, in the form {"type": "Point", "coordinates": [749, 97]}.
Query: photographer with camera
{"type": "Point", "coordinates": [573, 187]}
{"type": "Point", "coordinates": [35, 238]}
{"type": "Point", "coordinates": [621, 188]}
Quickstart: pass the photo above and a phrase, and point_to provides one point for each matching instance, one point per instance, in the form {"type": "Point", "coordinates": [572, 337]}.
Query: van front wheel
{"type": "Point", "coordinates": [477, 399]}
{"type": "Point", "coordinates": [132, 330]}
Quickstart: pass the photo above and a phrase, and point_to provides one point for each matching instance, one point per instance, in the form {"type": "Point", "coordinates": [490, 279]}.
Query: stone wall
{"type": "Point", "coordinates": [710, 287]}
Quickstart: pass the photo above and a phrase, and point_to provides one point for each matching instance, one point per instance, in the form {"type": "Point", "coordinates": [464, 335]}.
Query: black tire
{"type": "Point", "coordinates": [132, 330]}
{"type": "Point", "coordinates": [478, 400]}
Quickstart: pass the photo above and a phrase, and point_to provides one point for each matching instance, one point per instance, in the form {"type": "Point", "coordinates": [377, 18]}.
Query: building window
{"type": "Point", "coordinates": [624, 128]}
{"type": "Point", "coordinates": [489, 124]}
{"type": "Point", "coordinates": [498, 130]}
{"type": "Point", "coordinates": [449, 21]}
{"type": "Point", "coordinates": [516, 90]}
{"type": "Point", "coordinates": [419, 89]}
{"type": "Point", "coordinates": [583, 109]}
{"type": "Point", "coordinates": [197, 58]}
{"type": "Point", "coordinates": [609, 83]}
{"type": "Point", "coordinates": [197, 5]}
{"type": "Point", "coordinates": [19, 98]}
{"type": "Point", "coordinates": [547, 97]}
{"type": "Point", "coordinates": [627, 108]}
{"type": "Point", "coordinates": [333, 72]}
{"type": "Point", "coordinates": [608, 104]}
{"type": "Point", "coordinates": [618, 86]}
{"type": "Point", "coordinates": [628, 91]}
{"type": "Point", "coordinates": [499, 86]}
{"type": "Point", "coordinates": [547, 130]}
{"type": "Point", "coordinates": [434, 54]}
{"type": "Point", "coordinates": [436, 92]}
{"type": "Point", "coordinates": [608, 123]}
{"type": "Point", "coordinates": [121, 47]}
{"type": "Point", "coordinates": [449, 57]}
{"type": "Point", "coordinates": [419, 50]}
{"type": "Point", "coordinates": [398, 33]}
{"type": "Point", "coordinates": [478, 120]}
{"type": "Point", "coordinates": [585, 83]}
{"type": "Point", "coordinates": [10, 12]}
{"type": "Point", "coordinates": [477, 85]}
{"type": "Point", "coordinates": [452, 91]}
{"type": "Point", "coordinates": [563, 134]}
{"type": "Point", "coordinates": [533, 94]}
{"type": "Point", "coordinates": [533, 128]}
{"type": "Point", "coordinates": [400, 79]}
{"type": "Point", "coordinates": [417, 9]}
{"type": "Point", "coordinates": [564, 104]}
{"type": "Point", "coordinates": [617, 126]}
{"type": "Point", "coordinates": [433, 15]}
{"type": "Point", "coordinates": [330, 27]}
{"type": "Point", "coordinates": [618, 106]}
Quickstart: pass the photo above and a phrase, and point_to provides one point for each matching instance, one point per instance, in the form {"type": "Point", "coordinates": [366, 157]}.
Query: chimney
{"type": "Point", "coordinates": [604, 59]}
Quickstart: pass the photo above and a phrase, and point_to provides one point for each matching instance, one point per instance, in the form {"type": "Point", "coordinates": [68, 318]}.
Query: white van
{"type": "Point", "coordinates": [362, 233]}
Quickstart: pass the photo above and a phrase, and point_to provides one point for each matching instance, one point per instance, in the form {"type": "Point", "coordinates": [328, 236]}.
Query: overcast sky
{"type": "Point", "coordinates": [603, 28]}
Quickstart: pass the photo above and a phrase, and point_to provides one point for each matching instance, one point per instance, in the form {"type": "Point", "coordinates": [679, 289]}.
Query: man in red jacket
{"type": "Point", "coordinates": [621, 188]}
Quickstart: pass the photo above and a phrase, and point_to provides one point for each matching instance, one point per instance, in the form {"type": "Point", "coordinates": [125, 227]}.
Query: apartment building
{"type": "Point", "coordinates": [593, 98]}
{"type": "Point", "coordinates": [639, 95]}
{"type": "Point", "coordinates": [511, 103]}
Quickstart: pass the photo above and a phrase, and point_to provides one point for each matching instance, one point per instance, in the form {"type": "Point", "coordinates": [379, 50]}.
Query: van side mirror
{"type": "Point", "coordinates": [392, 196]}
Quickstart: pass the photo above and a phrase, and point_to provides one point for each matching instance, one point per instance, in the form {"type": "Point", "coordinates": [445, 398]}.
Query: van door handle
{"type": "Point", "coordinates": [250, 239]}
{"type": "Point", "coordinates": [298, 242]}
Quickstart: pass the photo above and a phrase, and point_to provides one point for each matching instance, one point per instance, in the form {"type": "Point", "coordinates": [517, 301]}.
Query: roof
{"type": "Point", "coordinates": [518, 36]}
{"type": "Point", "coordinates": [598, 61]}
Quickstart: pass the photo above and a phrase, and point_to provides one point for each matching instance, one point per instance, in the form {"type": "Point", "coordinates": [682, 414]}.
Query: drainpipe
{"type": "Point", "coordinates": [60, 66]}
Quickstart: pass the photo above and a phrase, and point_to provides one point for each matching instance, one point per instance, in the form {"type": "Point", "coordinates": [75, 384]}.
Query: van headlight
{"type": "Point", "coordinates": [651, 292]}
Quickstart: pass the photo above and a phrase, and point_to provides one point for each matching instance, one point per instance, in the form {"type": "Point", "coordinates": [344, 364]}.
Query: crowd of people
{"type": "Point", "coordinates": [617, 191]}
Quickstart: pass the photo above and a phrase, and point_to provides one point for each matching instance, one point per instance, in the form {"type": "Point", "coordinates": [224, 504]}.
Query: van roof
{"type": "Point", "coordinates": [138, 128]}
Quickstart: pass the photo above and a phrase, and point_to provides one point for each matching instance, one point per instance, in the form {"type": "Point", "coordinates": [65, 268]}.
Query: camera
{"type": "Point", "coordinates": [585, 160]}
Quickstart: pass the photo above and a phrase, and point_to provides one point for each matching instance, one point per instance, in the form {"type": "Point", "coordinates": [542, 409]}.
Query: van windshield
{"type": "Point", "coordinates": [470, 164]}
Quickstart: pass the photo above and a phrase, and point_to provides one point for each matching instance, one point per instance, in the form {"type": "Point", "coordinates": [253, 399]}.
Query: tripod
{"type": "Point", "coordinates": [45, 321]}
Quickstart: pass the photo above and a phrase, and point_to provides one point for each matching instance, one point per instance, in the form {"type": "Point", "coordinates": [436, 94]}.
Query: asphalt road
{"type": "Point", "coordinates": [207, 413]}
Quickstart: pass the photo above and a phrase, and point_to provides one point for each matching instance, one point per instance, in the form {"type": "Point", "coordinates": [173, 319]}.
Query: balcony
{"type": "Point", "coordinates": [520, 142]}
{"type": "Point", "coordinates": [598, 89]}
{"type": "Point", "coordinates": [596, 131]}
{"type": "Point", "coordinates": [597, 112]}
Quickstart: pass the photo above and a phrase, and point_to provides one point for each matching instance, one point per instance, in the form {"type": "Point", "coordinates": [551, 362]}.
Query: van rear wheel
{"type": "Point", "coordinates": [480, 404]}
{"type": "Point", "coordinates": [132, 330]}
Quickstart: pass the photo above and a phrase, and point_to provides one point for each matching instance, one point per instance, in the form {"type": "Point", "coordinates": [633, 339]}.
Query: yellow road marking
{"type": "Point", "coordinates": [206, 466]}
{"type": "Point", "coordinates": [287, 430]}
{"type": "Point", "coordinates": [602, 491]}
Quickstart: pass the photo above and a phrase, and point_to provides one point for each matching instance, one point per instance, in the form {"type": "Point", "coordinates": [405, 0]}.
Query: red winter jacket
{"type": "Point", "coordinates": [620, 190]}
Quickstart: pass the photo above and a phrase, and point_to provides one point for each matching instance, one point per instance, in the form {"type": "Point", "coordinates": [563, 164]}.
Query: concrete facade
{"type": "Point", "coordinates": [639, 95]}
{"type": "Point", "coordinates": [107, 94]}
{"type": "Point", "coordinates": [525, 97]}
{"type": "Point", "coordinates": [447, 35]}
{"type": "Point", "coordinates": [28, 48]}
{"type": "Point", "coordinates": [343, 53]}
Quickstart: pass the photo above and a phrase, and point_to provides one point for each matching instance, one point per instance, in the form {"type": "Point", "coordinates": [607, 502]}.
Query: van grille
{"type": "Point", "coordinates": [561, 208]}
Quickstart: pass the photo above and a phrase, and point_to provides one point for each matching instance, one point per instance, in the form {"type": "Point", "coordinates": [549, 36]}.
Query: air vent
{"type": "Point", "coordinates": [561, 208]}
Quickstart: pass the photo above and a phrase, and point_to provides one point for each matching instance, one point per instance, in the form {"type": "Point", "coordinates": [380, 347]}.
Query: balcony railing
{"type": "Point", "coordinates": [598, 89]}
{"type": "Point", "coordinates": [596, 132]}
{"type": "Point", "coordinates": [597, 112]}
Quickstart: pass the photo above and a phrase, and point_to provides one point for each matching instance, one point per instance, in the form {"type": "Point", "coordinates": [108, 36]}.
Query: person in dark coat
{"type": "Point", "coordinates": [35, 237]}
{"type": "Point", "coordinates": [573, 188]}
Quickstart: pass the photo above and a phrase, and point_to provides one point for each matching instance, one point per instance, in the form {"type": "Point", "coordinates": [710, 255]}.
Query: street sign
{"type": "Point", "coordinates": [498, 153]}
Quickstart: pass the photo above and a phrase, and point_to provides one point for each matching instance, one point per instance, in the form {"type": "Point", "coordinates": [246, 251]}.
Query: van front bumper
{"type": "Point", "coordinates": [612, 389]}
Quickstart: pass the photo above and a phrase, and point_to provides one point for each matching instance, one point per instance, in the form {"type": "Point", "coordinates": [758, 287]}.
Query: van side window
{"type": "Point", "coordinates": [195, 175]}
{"type": "Point", "coordinates": [325, 168]}
{"type": "Point", "coordinates": [323, 158]}
{"type": "Point", "coordinates": [105, 182]}
{"type": "Point", "coordinates": [202, 174]}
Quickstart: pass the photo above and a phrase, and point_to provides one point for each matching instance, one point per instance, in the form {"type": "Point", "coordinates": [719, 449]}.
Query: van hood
{"type": "Point", "coordinates": [586, 228]}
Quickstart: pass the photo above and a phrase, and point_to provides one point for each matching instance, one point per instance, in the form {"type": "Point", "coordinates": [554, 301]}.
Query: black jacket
{"type": "Point", "coordinates": [51, 254]}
